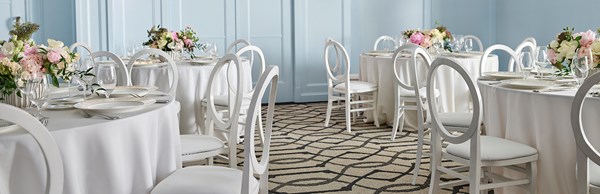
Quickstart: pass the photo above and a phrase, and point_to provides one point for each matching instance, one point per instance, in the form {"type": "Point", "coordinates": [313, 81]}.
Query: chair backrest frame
{"type": "Point", "coordinates": [50, 150]}
{"type": "Point", "coordinates": [125, 75]}
{"type": "Point", "coordinates": [384, 39]}
{"type": "Point", "coordinates": [519, 49]}
{"type": "Point", "coordinates": [474, 92]}
{"type": "Point", "coordinates": [342, 66]}
{"type": "Point", "coordinates": [581, 139]}
{"type": "Point", "coordinates": [477, 40]}
{"type": "Point", "coordinates": [488, 52]}
{"type": "Point", "coordinates": [416, 52]}
{"type": "Point", "coordinates": [81, 45]}
{"type": "Point", "coordinates": [253, 50]}
{"type": "Point", "coordinates": [251, 163]}
{"type": "Point", "coordinates": [170, 61]}
{"type": "Point", "coordinates": [235, 100]}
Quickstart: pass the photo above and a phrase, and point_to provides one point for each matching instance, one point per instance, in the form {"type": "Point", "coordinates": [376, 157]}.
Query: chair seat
{"type": "Point", "coordinates": [222, 100]}
{"type": "Point", "coordinates": [455, 119]}
{"type": "Point", "coordinates": [197, 144]}
{"type": "Point", "coordinates": [357, 87]}
{"type": "Point", "coordinates": [422, 92]}
{"type": "Point", "coordinates": [493, 149]}
{"type": "Point", "coordinates": [594, 170]}
{"type": "Point", "coordinates": [204, 179]}
{"type": "Point", "coordinates": [354, 77]}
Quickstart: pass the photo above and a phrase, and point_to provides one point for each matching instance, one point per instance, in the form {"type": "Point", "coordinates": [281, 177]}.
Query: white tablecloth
{"type": "Point", "coordinates": [542, 121]}
{"type": "Point", "coordinates": [454, 92]}
{"type": "Point", "coordinates": [193, 81]}
{"type": "Point", "coordinates": [128, 155]}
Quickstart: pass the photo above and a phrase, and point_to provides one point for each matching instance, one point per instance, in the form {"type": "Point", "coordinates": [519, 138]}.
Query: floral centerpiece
{"type": "Point", "coordinates": [172, 41]}
{"type": "Point", "coordinates": [20, 58]}
{"type": "Point", "coordinates": [562, 50]}
{"type": "Point", "coordinates": [427, 38]}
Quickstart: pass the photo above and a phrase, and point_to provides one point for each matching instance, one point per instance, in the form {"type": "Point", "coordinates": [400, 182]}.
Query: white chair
{"type": "Point", "coordinates": [237, 43]}
{"type": "Point", "coordinates": [388, 42]}
{"type": "Point", "coordinates": [588, 174]}
{"type": "Point", "coordinates": [50, 150]}
{"type": "Point", "coordinates": [340, 88]}
{"type": "Point", "coordinates": [223, 112]}
{"type": "Point", "coordinates": [172, 90]}
{"type": "Point", "coordinates": [476, 39]}
{"type": "Point", "coordinates": [526, 45]}
{"type": "Point", "coordinates": [353, 77]}
{"type": "Point", "coordinates": [80, 45]}
{"type": "Point", "coordinates": [472, 150]}
{"type": "Point", "coordinates": [213, 179]}
{"type": "Point", "coordinates": [532, 40]}
{"type": "Point", "coordinates": [499, 47]}
{"type": "Point", "coordinates": [124, 76]}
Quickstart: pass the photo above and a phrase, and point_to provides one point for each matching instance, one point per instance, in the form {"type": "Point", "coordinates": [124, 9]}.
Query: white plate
{"type": "Point", "coordinates": [526, 84]}
{"type": "Point", "coordinates": [504, 75]}
{"type": "Point", "coordinates": [380, 53]}
{"type": "Point", "coordinates": [128, 90]}
{"type": "Point", "coordinates": [58, 106]}
{"type": "Point", "coordinates": [114, 105]}
{"type": "Point", "coordinates": [203, 61]}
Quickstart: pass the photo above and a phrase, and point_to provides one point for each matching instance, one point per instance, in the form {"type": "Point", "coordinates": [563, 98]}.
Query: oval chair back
{"type": "Point", "coordinates": [172, 90]}
{"type": "Point", "coordinates": [124, 76]}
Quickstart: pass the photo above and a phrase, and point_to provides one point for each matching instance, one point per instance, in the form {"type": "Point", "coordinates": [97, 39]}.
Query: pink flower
{"type": "Point", "coordinates": [187, 42]}
{"type": "Point", "coordinates": [53, 56]}
{"type": "Point", "coordinates": [174, 35]}
{"type": "Point", "coordinates": [552, 56]}
{"type": "Point", "coordinates": [587, 38]}
{"type": "Point", "coordinates": [584, 50]}
{"type": "Point", "coordinates": [426, 42]}
{"type": "Point", "coordinates": [32, 64]}
{"type": "Point", "coordinates": [417, 38]}
{"type": "Point", "coordinates": [30, 50]}
{"type": "Point", "coordinates": [2, 56]}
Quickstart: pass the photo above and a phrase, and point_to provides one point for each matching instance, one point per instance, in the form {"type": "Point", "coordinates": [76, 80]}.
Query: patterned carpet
{"type": "Point", "coordinates": [307, 157]}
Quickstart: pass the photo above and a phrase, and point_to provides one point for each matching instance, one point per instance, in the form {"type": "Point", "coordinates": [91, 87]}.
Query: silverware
{"type": "Point", "coordinates": [107, 117]}
{"type": "Point", "coordinates": [136, 95]}
{"type": "Point", "coordinates": [549, 90]}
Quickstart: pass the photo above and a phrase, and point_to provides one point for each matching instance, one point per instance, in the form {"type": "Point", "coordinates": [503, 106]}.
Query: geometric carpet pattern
{"type": "Point", "coordinates": [307, 157]}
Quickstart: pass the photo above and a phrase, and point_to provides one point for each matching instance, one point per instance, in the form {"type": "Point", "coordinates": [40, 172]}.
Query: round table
{"type": "Point", "coordinates": [128, 155]}
{"type": "Point", "coordinates": [191, 88]}
{"type": "Point", "coordinates": [454, 92]}
{"type": "Point", "coordinates": [542, 121]}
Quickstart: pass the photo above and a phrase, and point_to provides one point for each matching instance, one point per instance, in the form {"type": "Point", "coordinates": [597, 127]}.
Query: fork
{"type": "Point", "coordinates": [136, 95]}
{"type": "Point", "coordinates": [107, 117]}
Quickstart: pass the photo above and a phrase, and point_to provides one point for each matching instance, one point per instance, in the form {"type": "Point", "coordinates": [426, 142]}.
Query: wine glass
{"type": "Point", "coordinates": [212, 50]}
{"type": "Point", "coordinates": [468, 45]}
{"type": "Point", "coordinates": [580, 67]}
{"type": "Point", "coordinates": [438, 46]}
{"type": "Point", "coordinates": [457, 43]}
{"type": "Point", "coordinates": [36, 90]}
{"type": "Point", "coordinates": [85, 72]}
{"type": "Point", "coordinates": [107, 78]}
{"type": "Point", "coordinates": [541, 59]}
{"type": "Point", "coordinates": [526, 62]}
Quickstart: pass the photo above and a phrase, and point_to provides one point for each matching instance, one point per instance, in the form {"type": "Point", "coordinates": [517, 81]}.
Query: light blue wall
{"type": "Point", "coordinates": [466, 17]}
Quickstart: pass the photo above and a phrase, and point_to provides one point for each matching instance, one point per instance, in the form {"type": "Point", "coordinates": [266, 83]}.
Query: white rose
{"type": "Point", "coordinates": [554, 44]}
{"type": "Point", "coordinates": [60, 65]}
{"type": "Point", "coordinates": [161, 43]}
{"type": "Point", "coordinates": [596, 47]}
{"type": "Point", "coordinates": [55, 44]}
{"type": "Point", "coordinates": [171, 45]}
{"type": "Point", "coordinates": [8, 49]}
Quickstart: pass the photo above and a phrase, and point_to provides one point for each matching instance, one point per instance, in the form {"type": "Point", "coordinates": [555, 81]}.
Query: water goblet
{"type": "Point", "coordinates": [526, 63]}
{"type": "Point", "coordinates": [541, 59]}
{"type": "Point", "coordinates": [580, 68]}
{"type": "Point", "coordinates": [468, 45]}
{"type": "Point", "coordinates": [36, 90]}
{"type": "Point", "coordinates": [107, 78]}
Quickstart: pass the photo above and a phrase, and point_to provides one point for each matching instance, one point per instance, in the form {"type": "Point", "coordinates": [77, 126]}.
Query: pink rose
{"type": "Point", "coordinates": [30, 50]}
{"type": "Point", "coordinates": [2, 56]}
{"type": "Point", "coordinates": [584, 50]}
{"type": "Point", "coordinates": [587, 38]}
{"type": "Point", "coordinates": [552, 56]}
{"type": "Point", "coordinates": [53, 56]}
{"type": "Point", "coordinates": [426, 42]}
{"type": "Point", "coordinates": [174, 35]}
{"type": "Point", "coordinates": [187, 42]}
{"type": "Point", "coordinates": [32, 64]}
{"type": "Point", "coordinates": [417, 38]}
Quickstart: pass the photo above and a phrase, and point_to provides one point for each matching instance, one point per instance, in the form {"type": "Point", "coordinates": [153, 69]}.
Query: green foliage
{"type": "Point", "coordinates": [23, 31]}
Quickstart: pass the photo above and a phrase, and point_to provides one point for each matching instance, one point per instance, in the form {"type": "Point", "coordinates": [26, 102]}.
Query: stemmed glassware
{"type": "Point", "coordinates": [210, 49]}
{"type": "Point", "coordinates": [107, 78]}
{"type": "Point", "coordinates": [580, 67]}
{"type": "Point", "coordinates": [468, 45]}
{"type": "Point", "coordinates": [36, 90]}
{"type": "Point", "coordinates": [541, 59]}
{"type": "Point", "coordinates": [85, 72]}
{"type": "Point", "coordinates": [526, 62]}
{"type": "Point", "coordinates": [457, 43]}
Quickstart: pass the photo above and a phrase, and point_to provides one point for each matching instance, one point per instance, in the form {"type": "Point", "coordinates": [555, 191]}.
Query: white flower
{"type": "Point", "coordinates": [554, 44]}
{"type": "Point", "coordinates": [8, 49]}
{"type": "Point", "coordinates": [55, 44]}
{"type": "Point", "coordinates": [171, 45]}
{"type": "Point", "coordinates": [567, 49]}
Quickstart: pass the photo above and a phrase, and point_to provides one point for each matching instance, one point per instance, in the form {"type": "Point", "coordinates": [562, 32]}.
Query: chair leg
{"type": "Point", "coordinates": [583, 178]}
{"type": "Point", "coordinates": [474, 178]}
{"type": "Point", "coordinates": [436, 160]}
{"type": "Point", "coordinates": [532, 173]}
{"type": "Point", "coordinates": [375, 111]}
{"type": "Point", "coordinates": [420, 137]}
{"type": "Point", "coordinates": [261, 132]}
{"type": "Point", "coordinates": [485, 178]}
{"type": "Point", "coordinates": [348, 108]}
{"type": "Point", "coordinates": [210, 161]}
{"type": "Point", "coordinates": [328, 114]}
{"type": "Point", "coordinates": [396, 121]}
